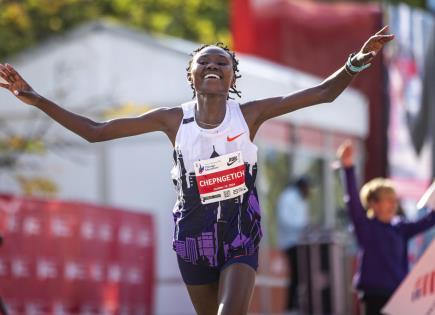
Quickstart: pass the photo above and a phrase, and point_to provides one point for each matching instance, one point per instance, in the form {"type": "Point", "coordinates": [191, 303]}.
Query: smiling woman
{"type": "Point", "coordinates": [217, 213]}
{"type": "Point", "coordinates": [198, 55]}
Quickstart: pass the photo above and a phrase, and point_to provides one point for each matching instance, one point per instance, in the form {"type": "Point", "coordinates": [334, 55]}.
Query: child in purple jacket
{"type": "Point", "coordinates": [382, 236]}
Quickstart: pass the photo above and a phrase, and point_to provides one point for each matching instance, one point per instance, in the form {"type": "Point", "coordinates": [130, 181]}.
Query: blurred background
{"type": "Point", "coordinates": [88, 227]}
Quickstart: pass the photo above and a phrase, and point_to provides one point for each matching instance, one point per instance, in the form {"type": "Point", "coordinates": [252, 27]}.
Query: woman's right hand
{"type": "Point", "coordinates": [345, 153]}
{"type": "Point", "coordinates": [16, 84]}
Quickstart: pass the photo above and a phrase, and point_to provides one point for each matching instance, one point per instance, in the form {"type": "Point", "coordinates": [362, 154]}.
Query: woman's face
{"type": "Point", "coordinates": [212, 71]}
{"type": "Point", "coordinates": [386, 207]}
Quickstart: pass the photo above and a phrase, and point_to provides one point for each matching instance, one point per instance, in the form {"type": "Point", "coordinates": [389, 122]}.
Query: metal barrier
{"type": "Point", "coordinates": [323, 274]}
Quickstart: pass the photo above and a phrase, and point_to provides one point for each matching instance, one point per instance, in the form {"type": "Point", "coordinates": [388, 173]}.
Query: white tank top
{"type": "Point", "coordinates": [214, 175]}
{"type": "Point", "coordinates": [231, 135]}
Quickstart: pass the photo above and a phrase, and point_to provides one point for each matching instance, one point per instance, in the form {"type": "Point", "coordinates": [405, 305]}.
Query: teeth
{"type": "Point", "coordinates": [211, 75]}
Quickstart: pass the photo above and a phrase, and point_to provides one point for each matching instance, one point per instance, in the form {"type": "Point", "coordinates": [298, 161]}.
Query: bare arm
{"type": "Point", "coordinates": [154, 120]}
{"type": "Point", "coordinates": [257, 112]}
{"type": "Point", "coordinates": [161, 119]}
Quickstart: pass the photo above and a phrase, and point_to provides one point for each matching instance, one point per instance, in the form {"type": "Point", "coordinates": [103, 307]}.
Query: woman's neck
{"type": "Point", "coordinates": [210, 110]}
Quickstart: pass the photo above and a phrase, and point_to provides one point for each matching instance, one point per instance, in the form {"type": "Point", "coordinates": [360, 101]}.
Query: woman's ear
{"type": "Point", "coordinates": [189, 77]}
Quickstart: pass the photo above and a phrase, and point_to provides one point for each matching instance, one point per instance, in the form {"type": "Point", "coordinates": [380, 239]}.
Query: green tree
{"type": "Point", "coordinates": [414, 3]}
{"type": "Point", "coordinates": [27, 22]}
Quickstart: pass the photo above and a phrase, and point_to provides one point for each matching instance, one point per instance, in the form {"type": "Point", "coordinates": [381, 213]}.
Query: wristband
{"type": "Point", "coordinates": [348, 72]}
{"type": "Point", "coordinates": [353, 68]}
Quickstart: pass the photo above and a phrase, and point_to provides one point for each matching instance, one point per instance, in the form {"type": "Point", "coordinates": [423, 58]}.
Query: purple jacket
{"type": "Point", "coordinates": [383, 253]}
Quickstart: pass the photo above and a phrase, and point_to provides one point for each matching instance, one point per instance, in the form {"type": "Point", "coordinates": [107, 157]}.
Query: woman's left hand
{"type": "Point", "coordinates": [372, 47]}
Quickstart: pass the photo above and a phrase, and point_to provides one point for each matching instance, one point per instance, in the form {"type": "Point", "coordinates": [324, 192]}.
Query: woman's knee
{"type": "Point", "coordinates": [235, 289]}
{"type": "Point", "coordinates": [231, 307]}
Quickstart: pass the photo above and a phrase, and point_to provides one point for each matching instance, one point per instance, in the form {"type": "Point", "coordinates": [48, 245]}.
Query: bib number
{"type": "Point", "coordinates": [220, 178]}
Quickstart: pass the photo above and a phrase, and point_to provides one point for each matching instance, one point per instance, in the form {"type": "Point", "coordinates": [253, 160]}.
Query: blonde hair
{"type": "Point", "coordinates": [372, 190]}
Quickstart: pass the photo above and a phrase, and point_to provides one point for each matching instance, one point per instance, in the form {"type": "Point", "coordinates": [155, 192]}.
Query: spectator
{"type": "Point", "coordinates": [292, 217]}
{"type": "Point", "coordinates": [381, 234]}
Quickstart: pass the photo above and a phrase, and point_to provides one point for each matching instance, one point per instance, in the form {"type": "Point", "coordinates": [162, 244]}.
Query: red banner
{"type": "Point", "coordinates": [75, 258]}
{"type": "Point", "coordinates": [317, 38]}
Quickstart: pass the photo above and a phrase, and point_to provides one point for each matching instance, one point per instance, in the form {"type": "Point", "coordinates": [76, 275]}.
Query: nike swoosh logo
{"type": "Point", "coordinates": [231, 162]}
{"type": "Point", "coordinates": [229, 139]}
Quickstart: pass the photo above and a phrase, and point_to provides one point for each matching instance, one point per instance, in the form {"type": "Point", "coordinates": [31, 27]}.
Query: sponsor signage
{"type": "Point", "coordinates": [416, 294]}
{"type": "Point", "coordinates": [75, 258]}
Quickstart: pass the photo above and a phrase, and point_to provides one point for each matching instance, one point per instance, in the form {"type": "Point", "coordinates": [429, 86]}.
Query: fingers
{"type": "Point", "coordinates": [382, 38]}
{"type": "Point", "coordinates": [376, 42]}
{"type": "Point", "coordinates": [4, 81]}
{"type": "Point", "coordinates": [3, 73]}
{"type": "Point", "coordinates": [345, 153]}
{"type": "Point", "coordinates": [347, 144]}
{"type": "Point", "coordinates": [383, 35]}
{"type": "Point", "coordinates": [6, 74]}
{"type": "Point", "coordinates": [3, 68]}
{"type": "Point", "coordinates": [16, 76]}
{"type": "Point", "coordinates": [367, 57]}
{"type": "Point", "coordinates": [344, 148]}
{"type": "Point", "coordinates": [387, 38]}
{"type": "Point", "coordinates": [3, 78]}
{"type": "Point", "coordinates": [383, 30]}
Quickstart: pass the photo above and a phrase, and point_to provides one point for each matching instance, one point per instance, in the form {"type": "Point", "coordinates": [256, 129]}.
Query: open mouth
{"type": "Point", "coordinates": [212, 76]}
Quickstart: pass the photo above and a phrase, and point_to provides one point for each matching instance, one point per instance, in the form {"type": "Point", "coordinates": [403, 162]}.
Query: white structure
{"type": "Point", "coordinates": [100, 66]}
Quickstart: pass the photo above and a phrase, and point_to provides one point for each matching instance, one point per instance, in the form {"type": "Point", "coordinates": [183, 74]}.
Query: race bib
{"type": "Point", "coordinates": [220, 178]}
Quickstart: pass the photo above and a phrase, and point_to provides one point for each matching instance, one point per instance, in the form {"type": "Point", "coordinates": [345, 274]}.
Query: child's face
{"type": "Point", "coordinates": [386, 207]}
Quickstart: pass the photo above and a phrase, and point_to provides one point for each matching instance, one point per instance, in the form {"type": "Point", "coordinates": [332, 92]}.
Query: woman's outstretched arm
{"type": "Point", "coordinates": [256, 112]}
{"type": "Point", "coordinates": [161, 119]}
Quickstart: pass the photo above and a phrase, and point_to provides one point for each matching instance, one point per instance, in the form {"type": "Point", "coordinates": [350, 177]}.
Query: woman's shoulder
{"type": "Point", "coordinates": [170, 113]}
{"type": "Point", "coordinates": [187, 107]}
{"type": "Point", "coordinates": [175, 115]}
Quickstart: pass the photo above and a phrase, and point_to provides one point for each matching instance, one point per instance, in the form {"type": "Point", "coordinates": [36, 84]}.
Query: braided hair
{"type": "Point", "coordinates": [233, 88]}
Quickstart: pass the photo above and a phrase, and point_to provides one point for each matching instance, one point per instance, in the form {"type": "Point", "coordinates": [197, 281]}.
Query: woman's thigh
{"type": "Point", "coordinates": [204, 298]}
{"type": "Point", "coordinates": [202, 284]}
{"type": "Point", "coordinates": [236, 285]}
